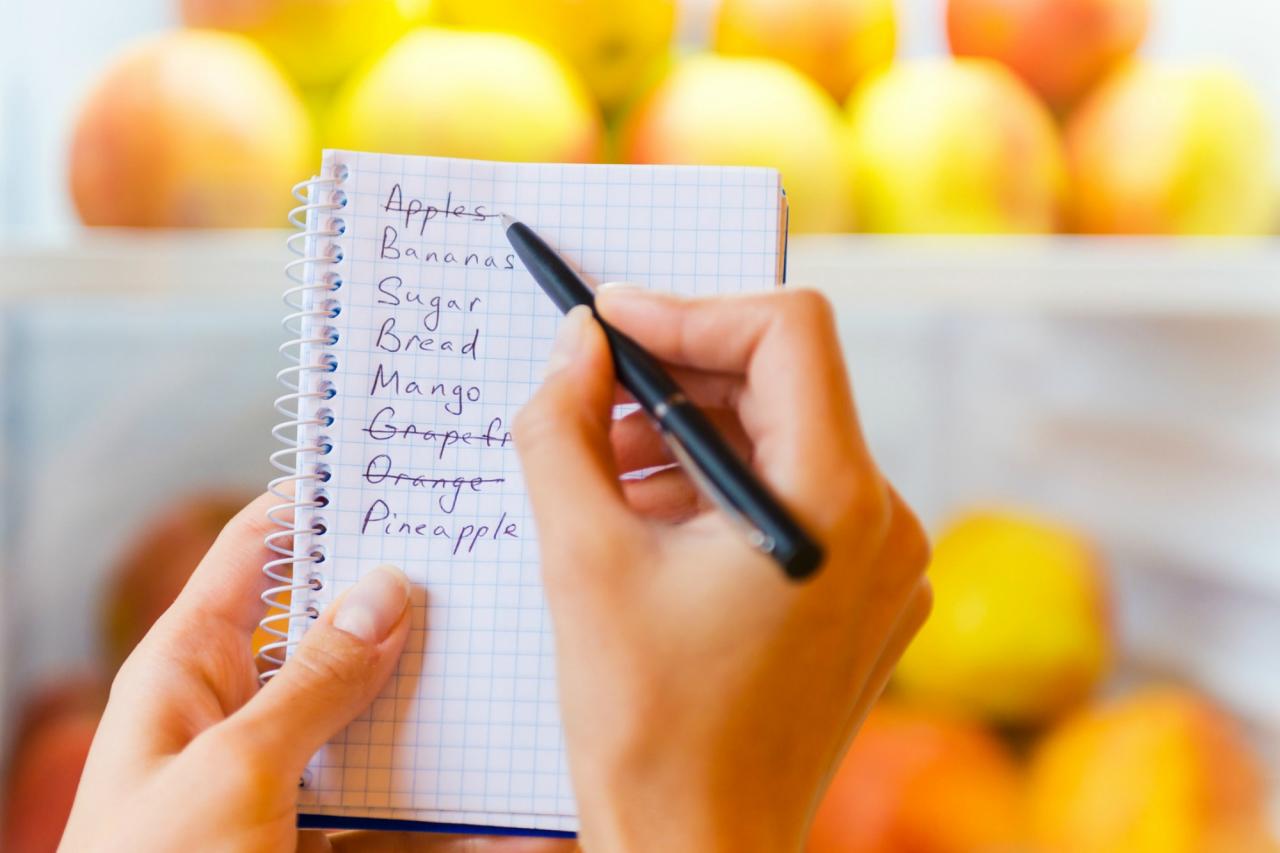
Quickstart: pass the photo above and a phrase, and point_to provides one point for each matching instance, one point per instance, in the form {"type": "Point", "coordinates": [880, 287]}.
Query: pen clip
{"type": "Point", "coordinates": [756, 537]}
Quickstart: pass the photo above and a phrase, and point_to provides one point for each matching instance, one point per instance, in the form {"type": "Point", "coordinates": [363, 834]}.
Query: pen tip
{"type": "Point", "coordinates": [507, 221]}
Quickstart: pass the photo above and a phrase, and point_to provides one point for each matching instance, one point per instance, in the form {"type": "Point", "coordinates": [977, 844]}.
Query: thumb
{"type": "Point", "coordinates": [562, 434]}
{"type": "Point", "coordinates": [344, 659]}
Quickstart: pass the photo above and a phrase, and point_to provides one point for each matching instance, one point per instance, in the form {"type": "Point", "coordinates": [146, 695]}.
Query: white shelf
{"type": "Point", "coordinates": [1206, 277]}
{"type": "Point", "coordinates": [1067, 275]}
{"type": "Point", "coordinates": [106, 261]}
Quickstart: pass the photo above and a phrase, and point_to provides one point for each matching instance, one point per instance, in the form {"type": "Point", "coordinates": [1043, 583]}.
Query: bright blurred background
{"type": "Point", "coordinates": [54, 53]}
{"type": "Point", "coordinates": [1048, 228]}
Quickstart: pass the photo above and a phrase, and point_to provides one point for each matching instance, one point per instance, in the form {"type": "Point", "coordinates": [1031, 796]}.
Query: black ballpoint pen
{"type": "Point", "coordinates": [699, 448]}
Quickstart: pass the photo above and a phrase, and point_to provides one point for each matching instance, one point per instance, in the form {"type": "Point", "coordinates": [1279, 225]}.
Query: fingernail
{"type": "Point", "coordinates": [568, 340]}
{"type": "Point", "coordinates": [373, 607]}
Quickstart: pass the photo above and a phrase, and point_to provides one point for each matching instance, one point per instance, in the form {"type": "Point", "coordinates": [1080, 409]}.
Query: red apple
{"type": "Point", "coordinates": [921, 781]}
{"type": "Point", "coordinates": [54, 732]}
{"type": "Point", "coordinates": [157, 565]}
{"type": "Point", "coordinates": [190, 128]}
{"type": "Point", "coordinates": [1062, 48]}
{"type": "Point", "coordinates": [836, 42]}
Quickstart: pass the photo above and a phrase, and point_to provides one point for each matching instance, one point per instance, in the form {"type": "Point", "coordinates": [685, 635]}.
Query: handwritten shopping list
{"type": "Point", "coordinates": [440, 337]}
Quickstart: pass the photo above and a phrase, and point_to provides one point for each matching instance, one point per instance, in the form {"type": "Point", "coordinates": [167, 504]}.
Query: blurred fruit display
{"type": "Point", "coordinates": [1160, 771]}
{"type": "Point", "coordinates": [954, 147]}
{"type": "Point", "coordinates": [1173, 150]}
{"type": "Point", "coordinates": [715, 110]}
{"type": "Point", "coordinates": [920, 781]}
{"type": "Point", "coordinates": [454, 93]}
{"type": "Point", "coordinates": [52, 739]}
{"type": "Point", "coordinates": [836, 42]}
{"type": "Point", "coordinates": [317, 43]}
{"type": "Point", "coordinates": [157, 565]}
{"type": "Point", "coordinates": [1020, 626]}
{"type": "Point", "coordinates": [971, 146]}
{"type": "Point", "coordinates": [1061, 48]}
{"type": "Point", "coordinates": [615, 45]}
{"type": "Point", "coordinates": [190, 128]}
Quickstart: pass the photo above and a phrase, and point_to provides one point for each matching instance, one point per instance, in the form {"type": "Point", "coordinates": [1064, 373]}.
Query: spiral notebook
{"type": "Point", "coordinates": [416, 337]}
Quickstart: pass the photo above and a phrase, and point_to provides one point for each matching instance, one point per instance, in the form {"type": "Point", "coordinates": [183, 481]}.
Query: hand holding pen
{"type": "Point", "coordinates": [705, 697]}
{"type": "Point", "coordinates": [704, 455]}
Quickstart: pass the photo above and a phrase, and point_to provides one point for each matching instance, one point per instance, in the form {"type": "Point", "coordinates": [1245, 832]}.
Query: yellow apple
{"type": "Point", "coordinates": [317, 41]}
{"type": "Point", "coordinates": [1172, 150]}
{"type": "Point", "coordinates": [1061, 48]}
{"type": "Point", "coordinates": [1019, 630]}
{"type": "Point", "coordinates": [613, 43]}
{"type": "Point", "coordinates": [420, 11]}
{"type": "Point", "coordinates": [954, 147]}
{"type": "Point", "coordinates": [836, 42]}
{"type": "Point", "coordinates": [716, 110]}
{"type": "Point", "coordinates": [190, 128]}
{"type": "Point", "coordinates": [454, 93]}
{"type": "Point", "coordinates": [1161, 771]}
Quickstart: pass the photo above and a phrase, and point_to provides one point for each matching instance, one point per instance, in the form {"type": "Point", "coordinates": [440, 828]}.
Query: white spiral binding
{"type": "Point", "coordinates": [301, 483]}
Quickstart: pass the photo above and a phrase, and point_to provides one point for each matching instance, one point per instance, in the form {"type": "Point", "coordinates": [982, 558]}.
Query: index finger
{"type": "Point", "coordinates": [796, 405]}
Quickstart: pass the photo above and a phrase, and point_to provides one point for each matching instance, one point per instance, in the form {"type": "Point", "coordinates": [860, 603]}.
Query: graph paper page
{"type": "Point", "coordinates": [441, 337]}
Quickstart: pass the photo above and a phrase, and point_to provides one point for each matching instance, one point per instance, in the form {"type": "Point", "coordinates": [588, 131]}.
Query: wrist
{"type": "Point", "coordinates": [626, 820]}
